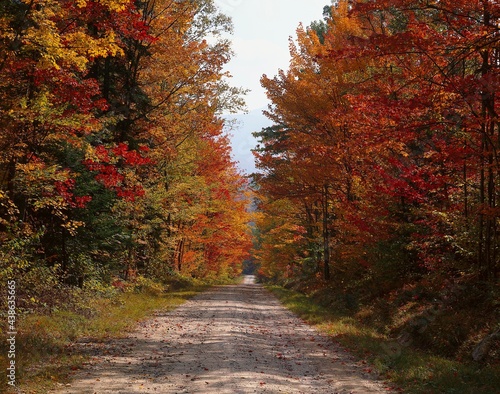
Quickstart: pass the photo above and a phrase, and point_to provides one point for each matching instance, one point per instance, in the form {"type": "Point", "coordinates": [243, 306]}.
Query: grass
{"type": "Point", "coordinates": [44, 357]}
{"type": "Point", "coordinates": [411, 370]}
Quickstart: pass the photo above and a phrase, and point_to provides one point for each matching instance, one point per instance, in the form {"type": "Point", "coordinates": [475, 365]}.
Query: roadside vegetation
{"type": "Point", "coordinates": [419, 352]}
{"type": "Point", "coordinates": [51, 345]}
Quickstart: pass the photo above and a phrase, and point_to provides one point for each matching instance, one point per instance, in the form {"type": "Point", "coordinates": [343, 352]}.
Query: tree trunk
{"type": "Point", "coordinates": [326, 235]}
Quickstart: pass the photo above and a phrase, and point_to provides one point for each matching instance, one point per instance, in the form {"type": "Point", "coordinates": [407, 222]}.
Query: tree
{"type": "Point", "coordinates": [445, 77]}
{"type": "Point", "coordinates": [310, 153]}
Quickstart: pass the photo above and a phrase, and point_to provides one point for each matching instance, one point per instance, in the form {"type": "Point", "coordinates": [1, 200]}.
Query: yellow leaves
{"type": "Point", "coordinates": [56, 205]}
{"type": "Point", "coordinates": [31, 173]}
{"type": "Point", "coordinates": [74, 47]}
{"type": "Point", "coordinates": [90, 153]}
{"type": "Point", "coordinates": [72, 226]}
{"type": "Point", "coordinates": [23, 103]}
{"type": "Point", "coordinates": [109, 43]}
{"type": "Point", "coordinates": [280, 236]}
{"type": "Point", "coordinates": [45, 38]}
{"type": "Point", "coordinates": [7, 206]}
{"type": "Point", "coordinates": [42, 104]}
{"type": "Point", "coordinates": [113, 5]}
{"type": "Point", "coordinates": [6, 30]}
{"type": "Point", "coordinates": [85, 48]}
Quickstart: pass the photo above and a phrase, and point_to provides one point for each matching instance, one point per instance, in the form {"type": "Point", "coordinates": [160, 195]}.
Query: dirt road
{"type": "Point", "coordinates": [233, 339]}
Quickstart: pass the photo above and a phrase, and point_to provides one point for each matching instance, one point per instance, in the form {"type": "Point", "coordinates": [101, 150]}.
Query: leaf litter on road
{"type": "Point", "coordinates": [231, 339]}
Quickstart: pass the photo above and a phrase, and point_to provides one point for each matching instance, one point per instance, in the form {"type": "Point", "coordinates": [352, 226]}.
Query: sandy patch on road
{"type": "Point", "coordinates": [232, 339]}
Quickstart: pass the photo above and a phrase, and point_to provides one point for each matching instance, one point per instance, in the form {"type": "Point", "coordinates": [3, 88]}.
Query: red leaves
{"type": "Point", "coordinates": [130, 194]}
{"type": "Point", "coordinates": [109, 176]}
{"type": "Point", "coordinates": [111, 167]}
{"type": "Point", "coordinates": [65, 190]}
{"type": "Point", "coordinates": [131, 157]}
{"type": "Point", "coordinates": [102, 154]}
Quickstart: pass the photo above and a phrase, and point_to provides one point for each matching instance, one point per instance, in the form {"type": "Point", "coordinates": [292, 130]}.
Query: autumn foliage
{"type": "Point", "coordinates": [113, 157]}
{"type": "Point", "coordinates": [382, 164]}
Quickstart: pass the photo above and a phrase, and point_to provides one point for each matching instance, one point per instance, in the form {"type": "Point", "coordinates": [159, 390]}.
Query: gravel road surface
{"type": "Point", "coordinates": [231, 339]}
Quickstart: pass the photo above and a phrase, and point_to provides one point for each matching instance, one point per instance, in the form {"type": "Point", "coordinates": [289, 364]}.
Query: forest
{"type": "Point", "coordinates": [113, 158]}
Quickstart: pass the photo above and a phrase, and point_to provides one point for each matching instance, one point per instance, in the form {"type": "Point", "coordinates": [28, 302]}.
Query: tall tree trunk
{"type": "Point", "coordinates": [487, 221]}
{"type": "Point", "coordinates": [326, 235]}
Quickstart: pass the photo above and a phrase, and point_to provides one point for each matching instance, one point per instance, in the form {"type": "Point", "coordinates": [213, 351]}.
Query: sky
{"type": "Point", "coordinates": [262, 29]}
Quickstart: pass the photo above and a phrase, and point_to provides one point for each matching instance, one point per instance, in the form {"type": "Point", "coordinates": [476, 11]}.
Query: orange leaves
{"type": "Point", "coordinates": [281, 239]}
